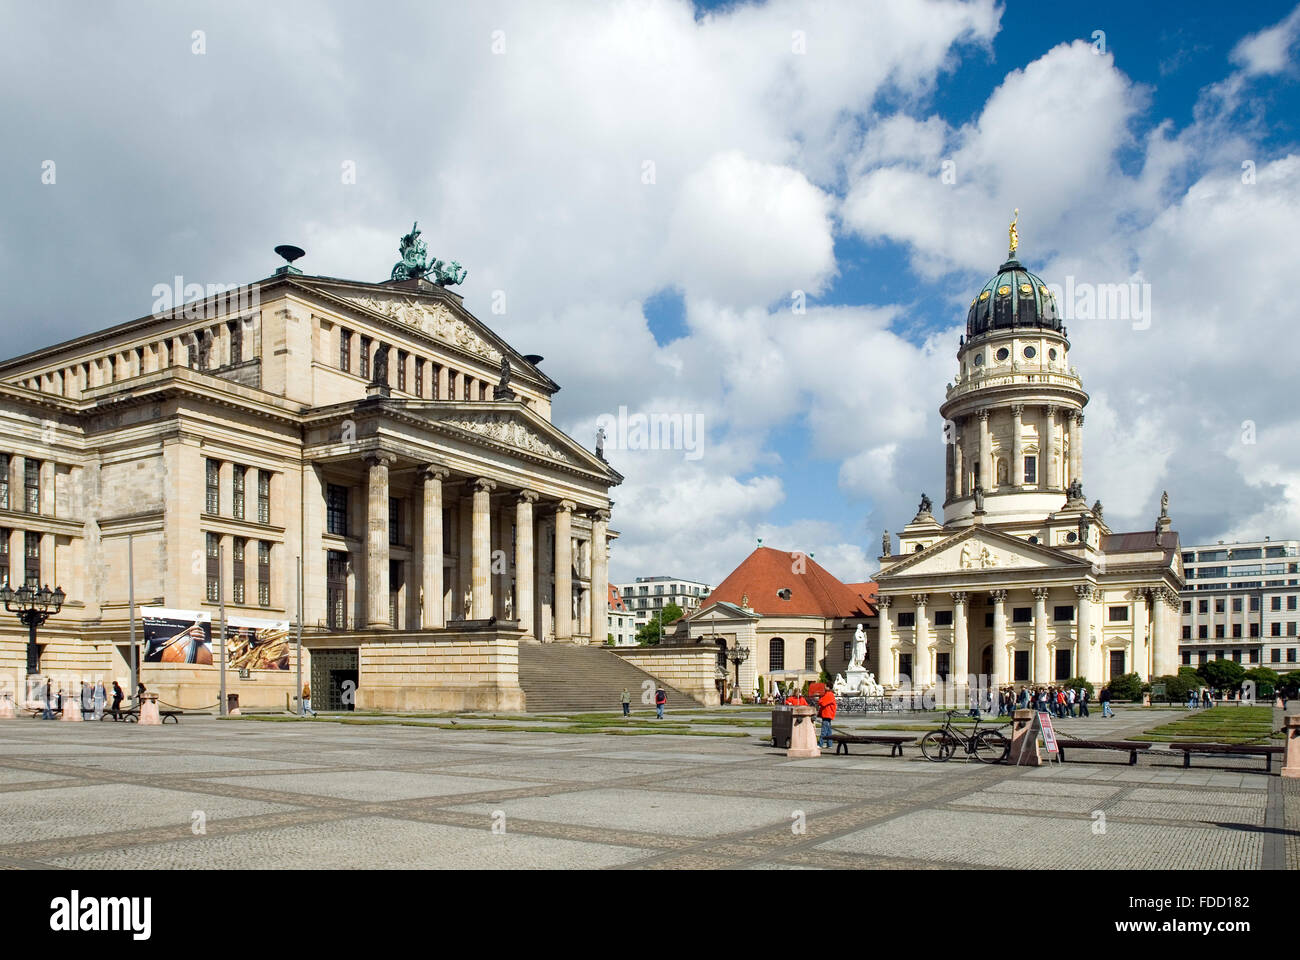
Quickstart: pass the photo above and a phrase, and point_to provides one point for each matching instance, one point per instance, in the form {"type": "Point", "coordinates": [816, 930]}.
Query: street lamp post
{"type": "Point", "coordinates": [33, 606]}
{"type": "Point", "coordinates": [737, 655]}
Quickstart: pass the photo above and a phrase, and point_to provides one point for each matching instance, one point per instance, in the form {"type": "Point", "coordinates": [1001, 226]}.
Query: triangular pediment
{"type": "Point", "coordinates": [981, 549]}
{"type": "Point", "coordinates": [513, 425]}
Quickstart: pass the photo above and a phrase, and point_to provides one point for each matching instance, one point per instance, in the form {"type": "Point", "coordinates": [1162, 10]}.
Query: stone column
{"type": "Point", "coordinates": [524, 569]}
{"type": "Point", "coordinates": [1001, 656]}
{"type": "Point", "coordinates": [1076, 447]}
{"type": "Point", "coordinates": [885, 643]}
{"type": "Point", "coordinates": [1085, 652]}
{"type": "Point", "coordinates": [600, 576]}
{"type": "Point", "coordinates": [958, 468]}
{"type": "Point", "coordinates": [986, 452]}
{"type": "Point", "coordinates": [377, 542]}
{"type": "Point", "coordinates": [960, 642]}
{"type": "Point", "coordinates": [1017, 446]}
{"type": "Point", "coordinates": [481, 550]}
{"type": "Point", "coordinates": [1140, 660]}
{"type": "Point", "coordinates": [432, 614]}
{"type": "Point", "coordinates": [1042, 665]}
{"type": "Point", "coordinates": [921, 673]}
{"type": "Point", "coordinates": [562, 602]}
{"type": "Point", "coordinates": [1047, 476]}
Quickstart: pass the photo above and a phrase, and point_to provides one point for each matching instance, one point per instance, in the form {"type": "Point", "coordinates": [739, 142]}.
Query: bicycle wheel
{"type": "Point", "coordinates": [937, 746]}
{"type": "Point", "coordinates": [991, 747]}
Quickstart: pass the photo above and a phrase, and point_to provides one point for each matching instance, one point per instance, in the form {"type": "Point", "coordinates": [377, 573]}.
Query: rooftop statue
{"type": "Point", "coordinates": [417, 264]}
{"type": "Point", "coordinates": [1013, 234]}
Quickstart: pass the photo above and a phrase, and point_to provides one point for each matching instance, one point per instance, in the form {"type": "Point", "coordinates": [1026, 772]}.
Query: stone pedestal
{"type": "Point", "coordinates": [149, 710]}
{"type": "Point", "coordinates": [1146, 699]}
{"type": "Point", "coordinates": [1024, 741]}
{"type": "Point", "coordinates": [803, 738]}
{"type": "Point", "coordinates": [71, 708]}
{"type": "Point", "coordinates": [1291, 759]}
{"type": "Point", "coordinates": [7, 711]}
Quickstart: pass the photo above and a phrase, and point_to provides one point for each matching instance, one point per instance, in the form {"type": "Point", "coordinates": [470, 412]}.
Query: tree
{"type": "Point", "coordinates": [1179, 688]}
{"type": "Point", "coordinates": [1222, 674]}
{"type": "Point", "coordinates": [1126, 687]}
{"type": "Point", "coordinates": [652, 632]}
{"type": "Point", "coordinates": [1265, 681]}
{"type": "Point", "coordinates": [1289, 683]}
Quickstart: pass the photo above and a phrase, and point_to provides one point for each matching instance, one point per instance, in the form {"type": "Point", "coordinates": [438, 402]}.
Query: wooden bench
{"type": "Point", "coordinates": [1132, 746]}
{"type": "Point", "coordinates": [127, 716]}
{"type": "Point", "coordinates": [895, 741]}
{"type": "Point", "coordinates": [1267, 751]}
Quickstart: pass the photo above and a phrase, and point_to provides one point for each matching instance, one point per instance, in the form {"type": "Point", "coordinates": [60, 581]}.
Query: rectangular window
{"type": "Point", "coordinates": [419, 377]}
{"type": "Point", "coordinates": [32, 484]}
{"type": "Point", "coordinates": [1290, 655]}
{"type": "Point", "coordinates": [237, 578]}
{"type": "Point", "coordinates": [1187, 658]}
{"type": "Point", "coordinates": [1254, 604]}
{"type": "Point", "coordinates": [1275, 629]}
{"type": "Point", "coordinates": [213, 503]}
{"type": "Point", "coordinates": [1290, 628]}
{"type": "Point", "coordinates": [1021, 665]}
{"type": "Point", "coordinates": [435, 381]}
{"type": "Point", "coordinates": [401, 369]}
{"type": "Point", "coordinates": [1187, 606]}
{"type": "Point", "coordinates": [336, 509]}
{"type": "Point", "coordinates": [1187, 633]}
{"type": "Point", "coordinates": [4, 481]}
{"type": "Point", "coordinates": [1290, 602]}
{"type": "Point", "coordinates": [1022, 614]}
{"type": "Point", "coordinates": [452, 381]}
{"type": "Point", "coordinates": [988, 621]}
{"type": "Point", "coordinates": [943, 618]}
{"type": "Point", "coordinates": [1236, 631]}
{"type": "Point", "coordinates": [1063, 613]}
{"type": "Point", "coordinates": [1218, 606]}
{"type": "Point", "coordinates": [1203, 606]}
{"type": "Point", "coordinates": [394, 520]}
{"type": "Point", "coordinates": [345, 350]}
{"type": "Point", "coordinates": [365, 358]}
{"type": "Point", "coordinates": [263, 573]}
{"type": "Point", "coordinates": [469, 386]}
{"type": "Point", "coordinates": [1275, 603]}
{"type": "Point", "coordinates": [1218, 631]}
{"type": "Point", "coordinates": [336, 589]}
{"type": "Point", "coordinates": [1203, 632]}
{"type": "Point", "coordinates": [848, 650]}
{"type": "Point", "coordinates": [214, 567]}
{"type": "Point", "coordinates": [1275, 655]}
{"type": "Point", "coordinates": [907, 619]}
{"type": "Point", "coordinates": [394, 588]}
{"type": "Point", "coordinates": [1118, 615]}
{"type": "Point", "coordinates": [1236, 656]}
{"type": "Point", "coordinates": [1031, 469]}
{"type": "Point", "coordinates": [942, 666]}
{"type": "Point", "coordinates": [236, 341]}
{"type": "Point", "coordinates": [237, 491]}
{"type": "Point", "coordinates": [4, 557]}
{"type": "Point", "coordinates": [32, 559]}
{"type": "Point", "coordinates": [263, 496]}
{"type": "Point", "coordinates": [1254, 630]}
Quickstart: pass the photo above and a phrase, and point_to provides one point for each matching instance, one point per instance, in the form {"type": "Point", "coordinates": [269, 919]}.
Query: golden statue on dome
{"type": "Point", "coordinates": [1013, 234]}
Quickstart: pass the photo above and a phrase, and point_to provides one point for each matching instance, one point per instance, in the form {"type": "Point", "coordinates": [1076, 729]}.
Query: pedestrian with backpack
{"type": "Point", "coordinates": [661, 698]}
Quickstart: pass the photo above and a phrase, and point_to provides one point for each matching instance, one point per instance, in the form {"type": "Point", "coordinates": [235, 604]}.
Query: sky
{"type": "Point", "coordinates": [767, 218]}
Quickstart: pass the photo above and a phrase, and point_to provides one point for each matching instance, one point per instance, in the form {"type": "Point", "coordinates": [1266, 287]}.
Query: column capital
{"type": "Point", "coordinates": [1083, 591]}
{"type": "Point", "coordinates": [434, 471]}
{"type": "Point", "coordinates": [920, 599]}
{"type": "Point", "coordinates": [1050, 408]}
{"type": "Point", "coordinates": [998, 596]}
{"type": "Point", "coordinates": [960, 597]}
{"type": "Point", "coordinates": [379, 459]}
{"type": "Point", "coordinates": [481, 485]}
{"type": "Point", "coordinates": [1040, 594]}
{"type": "Point", "coordinates": [885, 601]}
{"type": "Point", "coordinates": [1017, 410]}
{"type": "Point", "coordinates": [982, 413]}
{"type": "Point", "coordinates": [565, 506]}
{"type": "Point", "coordinates": [1077, 416]}
{"type": "Point", "coordinates": [527, 496]}
{"type": "Point", "coordinates": [600, 516]}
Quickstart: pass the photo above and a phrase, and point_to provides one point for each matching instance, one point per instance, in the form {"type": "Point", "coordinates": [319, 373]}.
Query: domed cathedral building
{"type": "Point", "coordinates": [1022, 582]}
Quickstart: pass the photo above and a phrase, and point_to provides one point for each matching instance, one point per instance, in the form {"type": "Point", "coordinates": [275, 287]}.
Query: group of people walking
{"type": "Point", "coordinates": [93, 699]}
{"type": "Point", "coordinates": [1061, 701]}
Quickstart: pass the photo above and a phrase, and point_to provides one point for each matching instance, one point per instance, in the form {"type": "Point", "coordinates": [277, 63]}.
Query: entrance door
{"type": "Point", "coordinates": [334, 679]}
{"type": "Point", "coordinates": [1116, 664]}
{"type": "Point", "coordinates": [1021, 665]}
{"type": "Point", "coordinates": [1063, 658]}
{"type": "Point", "coordinates": [343, 689]}
{"type": "Point", "coordinates": [986, 662]}
{"type": "Point", "coordinates": [904, 666]}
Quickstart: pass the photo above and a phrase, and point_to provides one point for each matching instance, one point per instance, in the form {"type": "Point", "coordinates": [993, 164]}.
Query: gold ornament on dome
{"type": "Point", "coordinates": [984, 296]}
{"type": "Point", "coordinates": [1013, 234]}
{"type": "Point", "coordinates": [1003, 290]}
{"type": "Point", "coordinates": [1044, 291]}
{"type": "Point", "coordinates": [1026, 289]}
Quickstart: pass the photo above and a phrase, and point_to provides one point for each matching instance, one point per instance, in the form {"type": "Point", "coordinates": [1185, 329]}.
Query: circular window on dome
{"type": "Point", "coordinates": [1051, 354]}
{"type": "Point", "coordinates": [1003, 354]}
{"type": "Point", "coordinates": [1071, 537]}
{"type": "Point", "coordinates": [979, 359]}
{"type": "Point", "coordinates": [1003, 290]}
{"type": "Point", "coordinates": [1030, 353]}
{"type": "Point", "coordinates": [1026, 290]}
{"type": "Point", "coordinates": [1032, 538]}
{"type": "Point", "coordinates": [984, 296]}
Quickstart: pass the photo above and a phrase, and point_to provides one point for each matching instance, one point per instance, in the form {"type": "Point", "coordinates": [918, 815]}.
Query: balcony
{"type": "Point", "coordinates": [1022, 375]}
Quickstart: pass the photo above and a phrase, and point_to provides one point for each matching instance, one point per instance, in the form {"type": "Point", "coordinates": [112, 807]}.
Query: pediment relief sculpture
{"type": "Point", "coordinates": [435, 319]}
{"type": "Point", "coordinates": [510, 430]}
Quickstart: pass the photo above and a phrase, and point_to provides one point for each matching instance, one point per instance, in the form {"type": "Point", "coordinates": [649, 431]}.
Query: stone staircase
{"type": "Point", "coordinates": [562, 678]}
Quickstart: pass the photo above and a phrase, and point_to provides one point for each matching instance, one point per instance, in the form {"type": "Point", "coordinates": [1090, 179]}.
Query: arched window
{"type": "Point", "coordinates": [810, 654]}
{"type": "Point", "coordinates": [776, 654]}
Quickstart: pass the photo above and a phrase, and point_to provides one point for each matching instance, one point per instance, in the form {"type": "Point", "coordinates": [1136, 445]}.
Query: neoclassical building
{"type": "Point", "coordinates": [1021, 581]}
{"type": "Point", "coordinates": [379, 432]}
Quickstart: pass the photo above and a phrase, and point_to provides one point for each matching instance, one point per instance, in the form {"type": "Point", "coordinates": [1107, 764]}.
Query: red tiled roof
{"type": "Point", "coordinates": [813, 593]}
{"type": "Point", "coordinates": [616, 601]}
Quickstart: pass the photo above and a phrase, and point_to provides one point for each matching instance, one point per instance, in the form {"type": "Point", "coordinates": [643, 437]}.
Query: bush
{"type": "Point", "coordinates": [1179, 688]}
{"type": "Point", "coordinates": [1126, 687]}
{"type": "Point", "coordinates": [1222, 674]}
{"type": "Point", "coordinates": [1265, 681]}
{"type": "Point", "coordinates": [1289, 683]}
{"type": "Point", "coordinates": [1074, 683]}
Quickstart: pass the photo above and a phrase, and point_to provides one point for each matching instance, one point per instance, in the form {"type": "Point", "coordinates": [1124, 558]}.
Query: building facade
{"type": "Point", "coordinates": [646, 596]}
{"type": "Point", "coordinates": [622, 625]}
{"type": "Point", "coordinates": [1022, 582]}
{"type": "Point", "coordinates": [1240, 603]}
{"type": "Point", "coordinates": [379, 432]}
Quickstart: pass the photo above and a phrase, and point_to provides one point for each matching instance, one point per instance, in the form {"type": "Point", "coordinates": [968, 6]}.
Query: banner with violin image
{"type": "Point", "coordinates": [185, 636]}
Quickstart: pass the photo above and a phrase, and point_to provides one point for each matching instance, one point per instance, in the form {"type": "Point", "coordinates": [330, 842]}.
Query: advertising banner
{"type": "Point", "coordinates": [185, 636]}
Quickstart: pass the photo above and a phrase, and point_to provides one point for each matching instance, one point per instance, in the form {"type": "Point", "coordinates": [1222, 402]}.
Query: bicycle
{"type": "Point", "coordinates": [986, 746]}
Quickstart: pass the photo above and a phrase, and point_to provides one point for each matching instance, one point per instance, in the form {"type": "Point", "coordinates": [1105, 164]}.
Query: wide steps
{"type": "Point", "coordinates": [565, 678]}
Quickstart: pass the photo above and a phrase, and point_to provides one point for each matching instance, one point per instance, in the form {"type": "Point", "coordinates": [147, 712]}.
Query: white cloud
{"type": "Point", "coordinates": [1268, 51]}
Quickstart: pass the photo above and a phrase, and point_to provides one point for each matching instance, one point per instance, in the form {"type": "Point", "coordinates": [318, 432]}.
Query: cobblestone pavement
{"type": "Point", "coordinates": [215, 793]}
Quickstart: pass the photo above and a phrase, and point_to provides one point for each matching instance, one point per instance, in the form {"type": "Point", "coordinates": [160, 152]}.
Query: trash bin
{"type": "Point", "coordinates": [232, 702]}
{"type": "Point", "coordinates": [782, 726]}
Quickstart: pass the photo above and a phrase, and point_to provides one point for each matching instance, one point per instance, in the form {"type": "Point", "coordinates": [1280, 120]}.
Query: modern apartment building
{"type": "Point", "coordinates": [1242, 602]}
{"type": "Point", "coordinates": [646, 596]}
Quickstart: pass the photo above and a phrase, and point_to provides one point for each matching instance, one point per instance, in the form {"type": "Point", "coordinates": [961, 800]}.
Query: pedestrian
{"type": "Point", "coordinates": [1083, 702]}
{"type": "Point", "coordinates": [101, 695]}
{"type": "Point", "coordinates": [1105, 702]}
{"type": "Point", "coordinates": [139, 693]}
{"type": "Point", "coordinates": [826, 707]}
{"type": "Point", "coordinates": [306, 700]}
{"type": "Point", "coordinates": [627, 702]}
{"type": "Point", "coordinates": [49, 712]}
{"type": "Point", "coordinates": [661, 698]}
{"type": "Point", "coordinates": [1069, 700]}
{"type": "Point", "coordinates": [87, 700]}
{"type": "Point", "coordinates": [117, 700]}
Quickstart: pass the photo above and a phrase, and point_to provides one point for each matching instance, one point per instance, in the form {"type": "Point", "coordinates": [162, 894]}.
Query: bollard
{"type": "Point", "coordinates": [1291, 734]}
{"type": "Point", "coordinates": [71, 708]}
{"type": "Point", "coordinates": [1024, 740]}
{"type": "Point", "coordinates": [803, 740]}
{"type": "Point", "coordinates": [149, 715]}
{"type": "Point", "coordinates": [1277, 703]}
{"type": "Point", "coordinates": [7, 710]}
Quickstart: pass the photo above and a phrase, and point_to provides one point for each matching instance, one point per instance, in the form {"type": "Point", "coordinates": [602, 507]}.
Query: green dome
{"type": "Point", "coordinates": [1013, 298]}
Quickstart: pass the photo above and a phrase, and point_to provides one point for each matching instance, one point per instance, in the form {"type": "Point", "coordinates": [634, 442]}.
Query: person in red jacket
{"type": "Point", "coordinates": [796, 700]}
{"type": "Point", "coordinates": [826, 710]}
